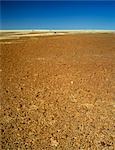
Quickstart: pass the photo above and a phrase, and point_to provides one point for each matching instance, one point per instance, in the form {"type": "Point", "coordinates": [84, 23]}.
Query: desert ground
{"type": "Point", "coordinates": [57, 92]}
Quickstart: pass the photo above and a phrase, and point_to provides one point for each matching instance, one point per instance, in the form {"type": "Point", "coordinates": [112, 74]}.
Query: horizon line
{"type": "Point", "coordinates": [57, 29]}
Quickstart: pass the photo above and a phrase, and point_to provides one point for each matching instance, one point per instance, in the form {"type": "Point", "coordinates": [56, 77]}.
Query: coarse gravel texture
{"type": "Point", "coordinates": [57, 92]}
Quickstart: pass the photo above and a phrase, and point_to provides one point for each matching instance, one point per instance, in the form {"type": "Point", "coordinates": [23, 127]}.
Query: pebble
{"type": "Point", "coordinates": [54, 142]}
{"type": "Point", "coordinates": [71, 82]}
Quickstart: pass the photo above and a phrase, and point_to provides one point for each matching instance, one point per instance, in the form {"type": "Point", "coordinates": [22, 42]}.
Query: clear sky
{"type": "Point", "coordinates": [58, 15]}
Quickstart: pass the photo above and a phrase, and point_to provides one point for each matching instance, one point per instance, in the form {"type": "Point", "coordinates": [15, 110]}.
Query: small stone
{"type": "Point", "coordinates": [71, 82]}
{"type": "Point", "coordinates": [89, 106]}
{"type": "Point", "coordinates": [54, 142]}
{"type": "Point", "coordinates": [113, 105]}
{"type": "Point", "coordinates": [33, 107]}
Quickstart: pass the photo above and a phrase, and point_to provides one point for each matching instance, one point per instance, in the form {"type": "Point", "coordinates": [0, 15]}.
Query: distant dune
{"type": "Point", "coordinates": [11, 34]}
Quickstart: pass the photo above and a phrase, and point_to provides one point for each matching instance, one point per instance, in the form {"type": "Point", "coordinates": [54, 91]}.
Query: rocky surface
{"type": "Point", "coordinates": [58, 92]}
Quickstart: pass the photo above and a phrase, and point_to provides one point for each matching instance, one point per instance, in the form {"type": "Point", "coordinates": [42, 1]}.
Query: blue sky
{"type": "Point", "coordinates": [58, 15]}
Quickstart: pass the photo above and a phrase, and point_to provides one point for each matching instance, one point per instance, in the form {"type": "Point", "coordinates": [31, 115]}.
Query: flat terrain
{"type": "Point", "coordinates": [58, 92]}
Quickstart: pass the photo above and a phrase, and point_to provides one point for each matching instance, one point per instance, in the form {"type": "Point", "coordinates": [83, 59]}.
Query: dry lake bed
{"type": "Point", "coordinates": [57, 91]}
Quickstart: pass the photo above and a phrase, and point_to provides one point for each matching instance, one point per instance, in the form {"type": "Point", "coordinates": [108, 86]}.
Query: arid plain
{"type": "Point", "coordinates": [58, 92]}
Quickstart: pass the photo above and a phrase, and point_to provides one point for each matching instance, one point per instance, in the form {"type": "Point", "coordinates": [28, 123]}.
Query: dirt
{"type": "Point", "coordinates": [58, 92]}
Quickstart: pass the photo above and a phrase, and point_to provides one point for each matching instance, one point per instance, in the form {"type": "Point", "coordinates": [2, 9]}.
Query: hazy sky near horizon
{"type": "Point", "coordinates": [58, 15]}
